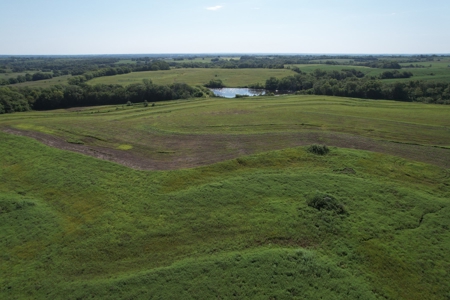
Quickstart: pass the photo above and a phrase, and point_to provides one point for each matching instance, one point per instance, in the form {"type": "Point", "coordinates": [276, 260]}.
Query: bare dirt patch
{"type": "Point", "coordinates": [189, 150]}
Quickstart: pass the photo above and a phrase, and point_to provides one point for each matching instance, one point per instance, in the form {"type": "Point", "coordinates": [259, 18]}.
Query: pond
{"type": "Point", "coordinates": [232, 92]}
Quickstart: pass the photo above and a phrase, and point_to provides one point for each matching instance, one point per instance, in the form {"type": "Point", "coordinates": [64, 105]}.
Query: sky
{"type": "Point", "coordinates": [39, 27]}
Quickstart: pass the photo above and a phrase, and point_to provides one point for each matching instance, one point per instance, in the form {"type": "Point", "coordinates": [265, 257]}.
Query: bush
{"type": "Point", "coordinates": [215, 83]}
{"type": "Point", "coordinates": [318, 149]}
{"type": "Point", "coordinates": [326, 202]}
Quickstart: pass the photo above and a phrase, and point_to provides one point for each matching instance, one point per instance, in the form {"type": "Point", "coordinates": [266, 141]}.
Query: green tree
{"type": "Point", "coordinates": [272, 84]}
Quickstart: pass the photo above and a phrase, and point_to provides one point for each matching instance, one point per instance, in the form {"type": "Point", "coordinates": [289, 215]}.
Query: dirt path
{"type": "Point", "coordinates": [187, 151]}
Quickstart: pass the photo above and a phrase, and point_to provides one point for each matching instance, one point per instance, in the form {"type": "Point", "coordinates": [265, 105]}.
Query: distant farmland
{"type": "Point", "coordinates": [229, 77]}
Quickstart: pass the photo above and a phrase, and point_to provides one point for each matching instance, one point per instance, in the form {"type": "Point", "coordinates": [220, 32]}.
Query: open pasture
{"type": "Point", "coordinates": [229, 77]}
{"type": "Point", "coordinates": [76, 227]}
{"type": "Point", "coordinates": [241, 223]}
{"type": "Point", "coordinates": [60, 80]}
{"type": "Point", "coordinates": [308, 68]}
{"type": "Point", "coordinates": [188, 133]}
{"type": "Point", "coordinates": [434, 70]}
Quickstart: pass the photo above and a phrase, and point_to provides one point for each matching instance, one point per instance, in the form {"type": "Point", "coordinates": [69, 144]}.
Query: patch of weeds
{"type": "Point", "coordinates": [318, 149]}
{"type": "Point", "coordinates": [345, 171]}
{"type": "Point", "coordinates": [125, 147]}
{"type": "Point", "coordinates": [73, 141]}
{"type": "Point", "coordinates": [326, 202]}
{"type": "Point", "coordinates": [9, 206]}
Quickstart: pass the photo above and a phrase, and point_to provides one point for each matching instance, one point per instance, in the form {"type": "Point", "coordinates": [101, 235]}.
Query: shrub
{"type": "Point", "coordinates": [198, 94]}
{"type": "Point", "coordinates": [318, 149]}
{"type": "Point", "coordinates": [215, 83]}
{"type": "Point", "coordinates": [326, 202]}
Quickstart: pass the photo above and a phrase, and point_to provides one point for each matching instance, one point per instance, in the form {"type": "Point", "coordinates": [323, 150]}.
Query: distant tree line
{"type": "Point", "coordinates": [350, 83]}
{"type": "Point", "coordinates": [383, 64]}
{"type": "Point", "coordinates": [60, 65]}
{"type": "Point", "coordinates": [100, 66]}
{"type": "Point", "coordinates": [23, 99]}
{"type": "Point", "coordinates": [414, 66]}
{"type": "Point", "coordinates": [395, 74]}
{"type": "Point", "coordinates": [92, 67]}
{"type": "Point", "coordinates": [27, 77]}
{"type": "Point", "coordinates": [191, 64]}
{"type": "Point", "coordinates": [149, 66]}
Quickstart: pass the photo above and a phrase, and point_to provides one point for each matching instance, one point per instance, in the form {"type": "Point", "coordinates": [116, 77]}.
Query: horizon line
{"type": "Point", "coordinates": [233, 53]}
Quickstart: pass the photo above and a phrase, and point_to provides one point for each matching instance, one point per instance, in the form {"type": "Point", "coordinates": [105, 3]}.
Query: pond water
{"type": "Point", "coordinates": [232, 92]}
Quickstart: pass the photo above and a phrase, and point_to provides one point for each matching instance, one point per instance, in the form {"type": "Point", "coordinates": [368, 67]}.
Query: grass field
{"type": "Point", "coordinates": [437, 72]}
{"type": "Point", "coordinates": [308, 68]}
{"type": "Point", "coordinates": [60, 80]}
{"type": "Point", "coordinates": [233, 125]}
{"type": "Point", "coordinates": [433, 71]}
{"type": "Point", "coordinates": [229, 77]}
{"type": "Point", "coordinates": [14, 74]}
{"type": "Point", "coordinates": [241, 224]}
{"type": "Point", "coordinates": [126, 61]}
{"type": "Point", "coordinates": [39, 83]}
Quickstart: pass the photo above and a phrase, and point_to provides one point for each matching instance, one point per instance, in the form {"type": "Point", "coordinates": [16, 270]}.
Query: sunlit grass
{"type": "Point", "coordinates": [198, 76]}
{"type": "Point", "coordinates": [74, 225]}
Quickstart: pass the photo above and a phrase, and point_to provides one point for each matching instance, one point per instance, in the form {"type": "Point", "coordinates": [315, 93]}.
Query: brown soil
{"type": "Point", "coordinates": [187, 151]}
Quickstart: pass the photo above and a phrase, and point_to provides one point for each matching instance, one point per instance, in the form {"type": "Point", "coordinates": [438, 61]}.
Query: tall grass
{"type": "Point", "coordinates": [74, 227]}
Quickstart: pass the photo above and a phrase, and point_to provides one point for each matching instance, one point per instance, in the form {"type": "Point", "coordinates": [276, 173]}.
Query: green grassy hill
{"type": "Point", "coordinates": [76, 227]}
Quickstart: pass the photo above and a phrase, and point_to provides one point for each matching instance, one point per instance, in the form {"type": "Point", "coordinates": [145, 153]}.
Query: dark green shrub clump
{"type": "Point", "coordinates": [215, 83]}
{"type": "Point", "coordinates": [318, 149]}
{"type": "Point", "coordinates": [326, 202]}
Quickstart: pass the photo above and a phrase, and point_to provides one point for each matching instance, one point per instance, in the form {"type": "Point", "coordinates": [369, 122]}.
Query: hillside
{"type": "Point", "coordinates": [214, 198]}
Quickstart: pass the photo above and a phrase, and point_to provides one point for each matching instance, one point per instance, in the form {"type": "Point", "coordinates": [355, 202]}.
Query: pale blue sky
{"type": "Point", "coordinates": [210, 26]}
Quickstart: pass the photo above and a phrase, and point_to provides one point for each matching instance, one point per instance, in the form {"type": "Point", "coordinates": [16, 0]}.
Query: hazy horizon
{"type": "Point", "coordinates": [230, 54]}
{"type": "Point", "coordinates": [328, 27]}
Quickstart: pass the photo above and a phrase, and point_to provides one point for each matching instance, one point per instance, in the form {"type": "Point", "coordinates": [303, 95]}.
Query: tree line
{"type": "Point", "coordinates": [62, 65]}
{"type": "Point", "coordinates": [87, 68]}
{"type": "Point", "coordinates": [349, 83]}
{"type": "Point", "coordinates": [27, 77]}
{"type": "Point", "coordinates": [24, 99]}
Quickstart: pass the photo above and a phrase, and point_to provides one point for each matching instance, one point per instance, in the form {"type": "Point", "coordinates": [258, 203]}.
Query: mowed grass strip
{"type": "Point", "coordinates": [229, 77]}
{"type": "Point", "coordinates": [73, 225]}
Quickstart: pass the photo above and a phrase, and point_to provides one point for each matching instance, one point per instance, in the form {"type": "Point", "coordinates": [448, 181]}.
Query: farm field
{"type": "Point", "coordinates": [14, 74]}
{"type": "Point", "coordinates": [126, 61]}
{"type": "Point", "coordinates": [308, 68]}
{"type": "Point", "coordinates": [60, 80]}
{"type": "Point", "coordinates": [212, 198]}
{"type": "Point", "coordinates": [229, 77]}
{"type": "Point", "coordinates": [433, 71]}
